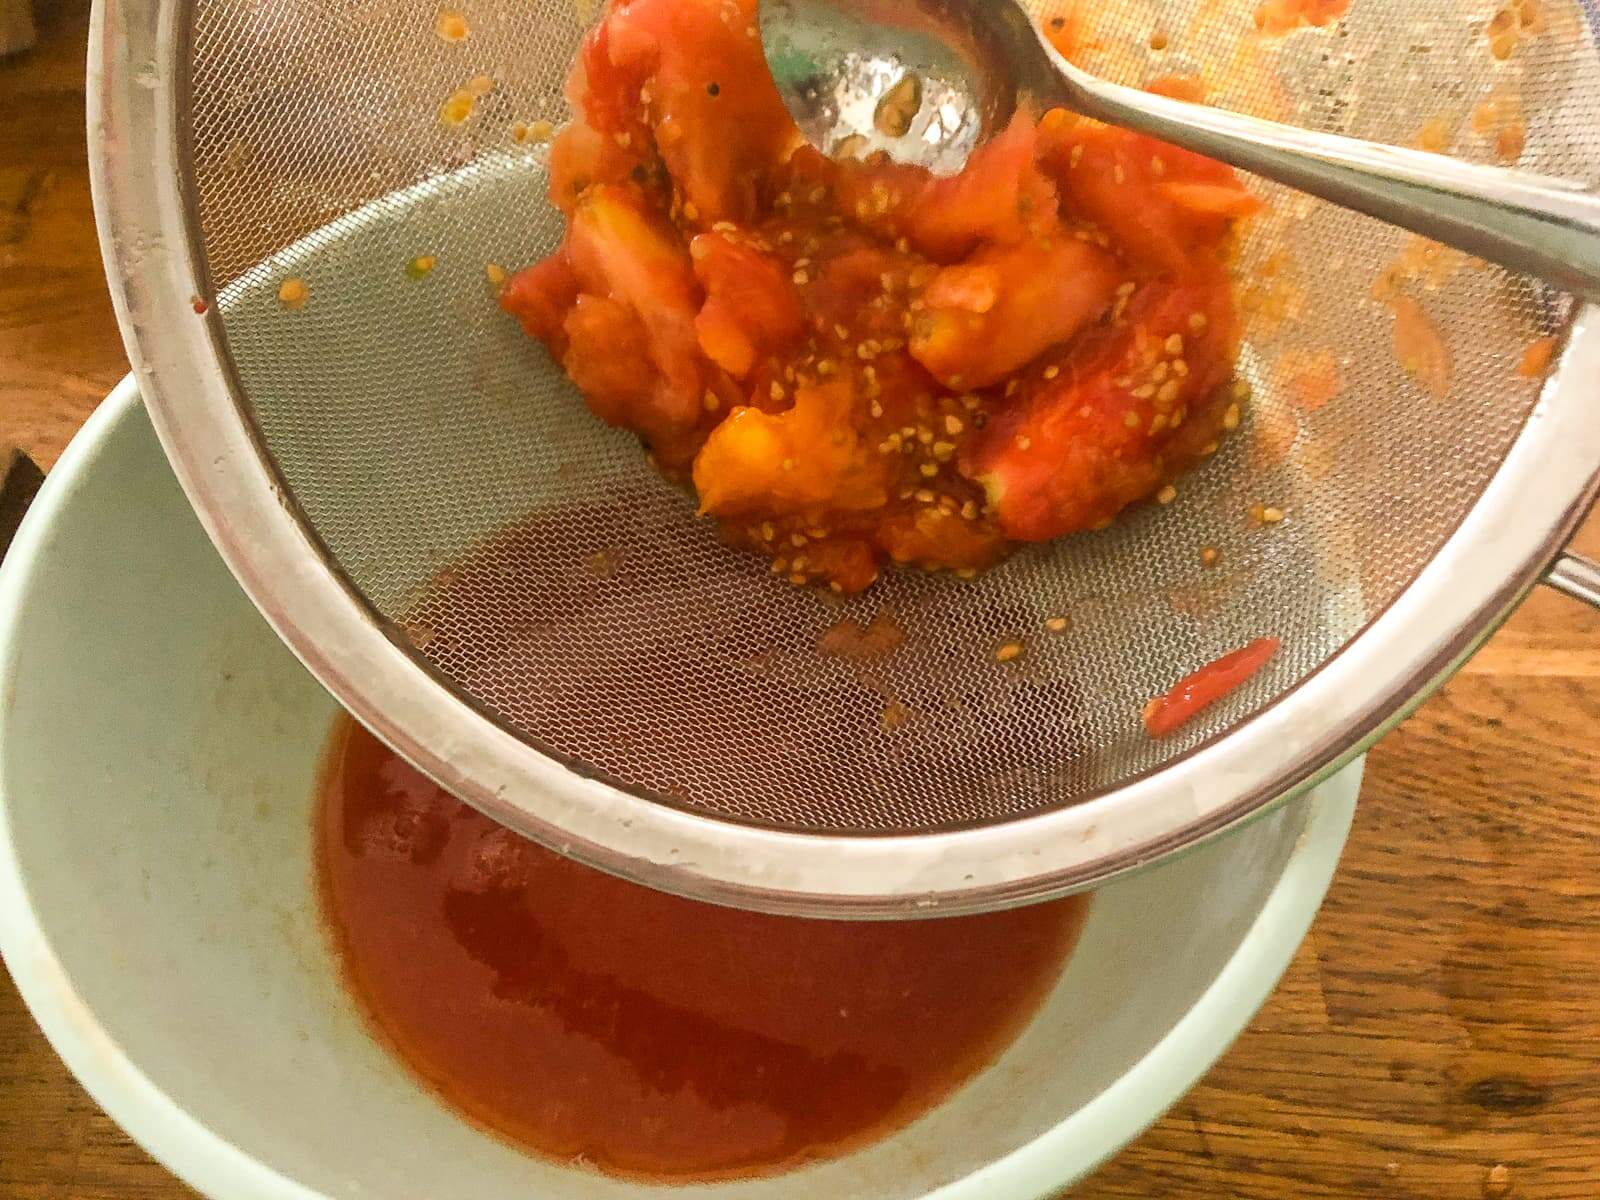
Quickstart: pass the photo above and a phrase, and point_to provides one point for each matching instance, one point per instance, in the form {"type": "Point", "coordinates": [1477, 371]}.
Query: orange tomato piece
{"type": "Point", "coordinates": [1006, 305]}
{"type": "Point", "coordinates": [1275, 17]}
{"type": "Point", "coordinates": [807, 459]}
{"type": "Point", "coordinates": [1535, 360]}
{"type": "Point", "coordinates": [936, 539]}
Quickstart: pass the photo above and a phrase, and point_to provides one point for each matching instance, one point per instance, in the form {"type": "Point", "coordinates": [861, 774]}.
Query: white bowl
{"type": "Point", "coordinates": [158, 748]}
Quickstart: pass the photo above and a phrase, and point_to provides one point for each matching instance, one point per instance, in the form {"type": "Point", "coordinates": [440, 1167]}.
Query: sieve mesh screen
{"type": "Point", "coordinates": [582, 604]}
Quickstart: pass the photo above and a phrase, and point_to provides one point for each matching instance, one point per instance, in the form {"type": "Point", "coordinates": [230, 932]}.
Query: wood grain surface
{"type": "Point", "coordinates": [1438, 1036]}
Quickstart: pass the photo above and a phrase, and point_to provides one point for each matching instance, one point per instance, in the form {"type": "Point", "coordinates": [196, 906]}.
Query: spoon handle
{"type": "Point", "coordinates": [1529, 223]}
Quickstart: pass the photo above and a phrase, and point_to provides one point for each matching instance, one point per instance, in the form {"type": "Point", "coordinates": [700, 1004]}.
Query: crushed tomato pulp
{"type": "Point", "coordinates": [857, 362]}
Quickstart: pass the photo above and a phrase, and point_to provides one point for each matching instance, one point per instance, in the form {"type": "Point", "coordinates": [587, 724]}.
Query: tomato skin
{"type": "Point", "coordinates": [1167, 713]}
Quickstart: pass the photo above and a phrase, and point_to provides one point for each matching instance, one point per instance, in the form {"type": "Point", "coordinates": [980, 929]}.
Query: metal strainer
{"type": "Point", "coordinates": [504, 591]}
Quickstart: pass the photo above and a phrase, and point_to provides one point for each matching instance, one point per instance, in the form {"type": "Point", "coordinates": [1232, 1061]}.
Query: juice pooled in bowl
{"type": "Point", "coordinates": [593, 1020]}
{"type": "Point", "coordinates": [857, 362]}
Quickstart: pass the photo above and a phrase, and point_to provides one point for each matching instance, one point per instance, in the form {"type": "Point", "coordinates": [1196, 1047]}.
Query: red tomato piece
{"type": "Point", "coordinates": [1163, 206]}
{"type": "Point", "coordinates": [620, 251]}
{"type": "Point", "coordinates": [1000, 196]}
{"type": "Point", "coordinates": [718, 121]}
{"type": "Point", "coordinates": [582, 157]}
{"type": "Point", "coordinates": [608, 358]}
{"type": "Point", "coordinates": [1165, 714]}
{"type": "Point", "coordinates": [1073, 451]}
{"type": "Point", "coordinates": [540, 297]}
{"type": "Point", "coordinates": [607, 141]}
{"type": "Point", "coordinates": [751, 306]}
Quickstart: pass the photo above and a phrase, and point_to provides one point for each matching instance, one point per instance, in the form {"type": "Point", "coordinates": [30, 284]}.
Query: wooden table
{"type": "Point", "coordinates": [1438, 1035]}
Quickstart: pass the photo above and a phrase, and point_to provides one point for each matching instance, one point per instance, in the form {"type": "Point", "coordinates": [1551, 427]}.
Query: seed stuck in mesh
{"type": "Point", "coordinates": [421, 265]}
{"type": "Point", "coordinates": [450, 25]}
{"type": "Point", "coordinates": [1056, 624]}
{"type": "Point", "coordinates": [525, 132]}
{"type": "Point", "coordinates": [895, 715]}
{"type": "Point", "coordinates": [1209, 556]}
{"type": "Point", "coordinates": [293, 292]}
{"type": "Point", "coordinates": [457, 107]}
{"type": "Point", "coordinates": [495, 274]}
{"type": "Point", "coordinates": [1008, 652]}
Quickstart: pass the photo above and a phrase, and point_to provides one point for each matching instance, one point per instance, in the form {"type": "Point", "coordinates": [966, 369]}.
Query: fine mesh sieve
{"type": "Point", "coordinates": [501, 586]}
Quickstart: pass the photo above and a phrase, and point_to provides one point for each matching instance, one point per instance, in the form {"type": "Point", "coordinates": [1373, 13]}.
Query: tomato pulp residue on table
{"type": "Point", "coordinates": [1167, 713]}
{"type": "Point", "coordinates": [856, 362]}
{"type": "Point", "coordinates": [588, 1018]}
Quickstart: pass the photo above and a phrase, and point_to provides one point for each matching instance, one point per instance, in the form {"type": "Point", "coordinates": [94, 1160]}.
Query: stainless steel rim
{"type": "Point", "coordinates": [1545, 485]}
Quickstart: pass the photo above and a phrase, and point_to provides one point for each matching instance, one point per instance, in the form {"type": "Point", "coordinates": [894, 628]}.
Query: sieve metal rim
{"type": "Point", "coordinates": [148, 234]}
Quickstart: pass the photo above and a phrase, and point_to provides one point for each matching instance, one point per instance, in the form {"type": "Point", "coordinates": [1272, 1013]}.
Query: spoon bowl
{"type": "Point", "coordinates": [922, 81]}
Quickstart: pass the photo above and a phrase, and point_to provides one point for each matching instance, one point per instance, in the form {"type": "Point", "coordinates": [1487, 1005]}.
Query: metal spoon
{"type": "Point", "coordinates": [928, 80]}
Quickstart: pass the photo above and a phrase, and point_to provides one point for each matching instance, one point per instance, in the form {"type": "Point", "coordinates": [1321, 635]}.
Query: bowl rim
{"type": "Point", "coordinates": [216, 1167]}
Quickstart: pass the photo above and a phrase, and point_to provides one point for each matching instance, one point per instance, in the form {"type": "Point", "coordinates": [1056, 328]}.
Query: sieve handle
{"type": "Point", "coordinates": [1529, 223]}
{"type": "Point", "coordinates": [1577, 575]}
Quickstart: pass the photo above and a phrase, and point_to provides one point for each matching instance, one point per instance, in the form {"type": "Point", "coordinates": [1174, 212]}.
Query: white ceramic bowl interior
{"type": "Point", "coordinates": [158, 748]}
